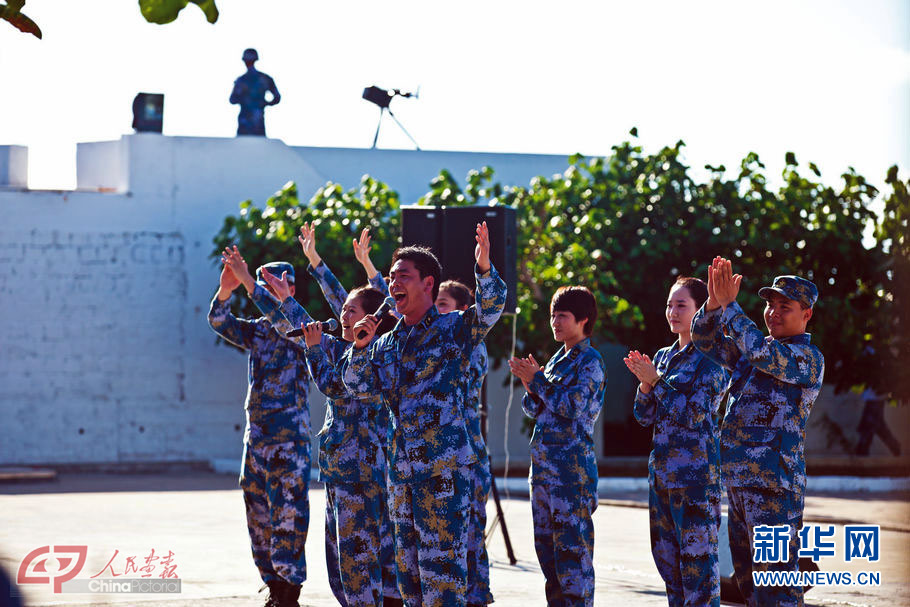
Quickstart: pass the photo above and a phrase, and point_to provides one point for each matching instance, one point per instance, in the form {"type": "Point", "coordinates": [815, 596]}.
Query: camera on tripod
{"type": "Point", "coordinates": [383, 98]}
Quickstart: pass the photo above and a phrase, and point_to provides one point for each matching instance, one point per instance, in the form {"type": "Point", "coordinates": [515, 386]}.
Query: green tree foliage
{"type": "Point", "coordinates": [626, 226]}
{"type": "Point", "coordinates": [893, 236]}
{"type": "Point", "coordinates": [154, 11]}
{"type": "Point", "coordinates": [11, 12]}
{"type": "Point", "coordinates": [270, 234]}
{"type": "Point", "coordinates": [165, 11]}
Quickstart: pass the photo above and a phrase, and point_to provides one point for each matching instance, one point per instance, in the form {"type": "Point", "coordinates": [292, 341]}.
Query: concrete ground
{"type": "Point", "coordinates": [200, 518]}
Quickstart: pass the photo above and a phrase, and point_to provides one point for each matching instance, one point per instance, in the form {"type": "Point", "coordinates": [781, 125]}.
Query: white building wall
{"type": "Point", "coordinates": [105, 352]}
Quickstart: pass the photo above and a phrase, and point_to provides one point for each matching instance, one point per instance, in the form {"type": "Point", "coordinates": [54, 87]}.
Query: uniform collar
{"type": "Point", "coordinates": [802, 339]}
{"type": "Point", "coordinates": [675, 349]}
{"type": "Point", "coordinates": [577, 349]}
{"type": "Point", "coordinates": [424, 323]}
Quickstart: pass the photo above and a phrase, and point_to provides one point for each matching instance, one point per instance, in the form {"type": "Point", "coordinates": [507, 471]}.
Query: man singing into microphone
{"type": "Point", "coordinates": [419, 367]}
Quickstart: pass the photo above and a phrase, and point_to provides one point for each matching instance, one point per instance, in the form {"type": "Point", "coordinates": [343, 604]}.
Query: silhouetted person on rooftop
{"type": "Point", "coordinates": [249, 91]}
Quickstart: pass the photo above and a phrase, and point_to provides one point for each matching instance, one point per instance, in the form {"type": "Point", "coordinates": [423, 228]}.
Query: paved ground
{"type": "Point", "coordinates": [200, 518]}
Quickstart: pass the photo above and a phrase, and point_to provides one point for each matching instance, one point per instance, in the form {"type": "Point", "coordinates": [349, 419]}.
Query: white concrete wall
{"type": "Point", "coordinates": [105, 353]}
{"type": "Point", "coordinates": [13, 166]}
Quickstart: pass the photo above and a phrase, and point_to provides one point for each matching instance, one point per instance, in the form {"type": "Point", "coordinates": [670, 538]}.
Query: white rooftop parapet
{"type": "Point", "coordinates": [102, 166]}
{"type": "Point", "coordinates": [13, 166]}
{"type": "Point", "coordinates": [148, 164]}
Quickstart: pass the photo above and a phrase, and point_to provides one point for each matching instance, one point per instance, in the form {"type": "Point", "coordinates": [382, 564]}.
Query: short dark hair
{"type": "Point", "coordinates": [696, 287]}
{"type": "Point", "coordinates": [423, 259]}
{"type": "Point", "coordinates": [370, 299]}
{"type": "Point", "coordinates": [579, 301]}
{"type": "Point", "coordinates": [458, 291]}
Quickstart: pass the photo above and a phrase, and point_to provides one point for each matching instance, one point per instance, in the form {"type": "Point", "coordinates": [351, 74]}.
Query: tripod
{"type": "Point", "coordinates": [382, 111]}
{"type": "Point", "coordinates": [500, 518]}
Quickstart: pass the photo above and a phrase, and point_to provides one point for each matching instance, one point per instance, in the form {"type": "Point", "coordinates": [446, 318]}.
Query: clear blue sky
{"type": "Point", "coordinates": [829, 80]}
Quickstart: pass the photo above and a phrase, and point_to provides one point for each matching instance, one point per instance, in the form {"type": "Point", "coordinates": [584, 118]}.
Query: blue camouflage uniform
{"type": "Point", "coordinates": [249, 92]}
{"type": "Point", "coordinates": [420, 371]}
{"type": "Point", "coordinates": [684, 473]}
{"type": "Point", "coordinates": [773, 386]}
{"type": "Point", "coordinates": [565, 399]}
{"type": "Point", "coordinates": [478, 560]}
{"type": "Point", "coordinates": [352, 464]}
{"type": "Point", "coordinates": [276, 456]}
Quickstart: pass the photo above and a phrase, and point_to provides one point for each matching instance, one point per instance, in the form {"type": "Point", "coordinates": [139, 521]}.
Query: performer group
{"type": "Point", "coordinates": [403, 458]}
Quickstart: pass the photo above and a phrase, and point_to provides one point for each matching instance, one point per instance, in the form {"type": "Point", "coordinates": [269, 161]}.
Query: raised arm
{"type": "Point", "coordinates": [793, 363]}
{"type": "Point", "coordinates": [362, 249]}
{"type": "Point", "coordinates": [490, 294]}
{"type": "Point", "coordinates": [235, 330]}
{"type": "Point", "coordinates": [707, 327]}
{"type": "Point", "coordinates": [334, 293]}
{"type": "Point", "coordinates": [362, 253]}
{"type": "Point", "coordinates": [708, 336]}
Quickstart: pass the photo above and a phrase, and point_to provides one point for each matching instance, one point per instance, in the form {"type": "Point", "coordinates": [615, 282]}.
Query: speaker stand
{"type": "Point", "coordinates": [500, 517]}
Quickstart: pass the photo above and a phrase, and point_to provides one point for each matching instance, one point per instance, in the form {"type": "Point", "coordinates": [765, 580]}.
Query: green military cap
{"type": "Point", "coordinates": [792, 287]}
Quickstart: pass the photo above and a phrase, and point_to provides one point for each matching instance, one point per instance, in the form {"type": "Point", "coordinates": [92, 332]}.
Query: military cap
{"type": "Point", "coordinates": [250, 54]}
{"type": "Point", "coordinates": [792, 287]}
{"type": "Point", "coordinates": [275, 268]}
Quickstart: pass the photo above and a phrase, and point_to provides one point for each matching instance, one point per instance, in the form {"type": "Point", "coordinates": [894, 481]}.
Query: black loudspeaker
{"type": "Point", "coordinates": [449, 232]}
{"type": "Point", "coordinates": [148, 112]}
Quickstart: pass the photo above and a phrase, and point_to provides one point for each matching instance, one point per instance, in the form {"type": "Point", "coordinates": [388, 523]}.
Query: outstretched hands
{"type": "Point", "coordinates": [279, 285]}
{"type": "Point", "coordinates": [231, 258]}
{"type": "Point", "coordinates": [307, 240]}
{"type": "Point", "coordinates": [641, 367]}
{"type": "Point", "coordinates": [723, 284]}
{"type": "Point", "coordinates": [227, 283]}
{"type": "Point", "coordinates": [482, 250]}
{"type": "Point", "coordinates": [362, 252]}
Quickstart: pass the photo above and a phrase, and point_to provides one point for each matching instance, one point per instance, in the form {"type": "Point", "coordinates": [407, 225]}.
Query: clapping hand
{"type": "Point", "coordinates": [723, 284]}
{"type": "Point", "coordinates": [524, 369]}
{"type": "Point", "coordinates": [641, 366]}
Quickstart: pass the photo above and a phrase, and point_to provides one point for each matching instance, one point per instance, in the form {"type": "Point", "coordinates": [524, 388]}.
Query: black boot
{"type": "Point", "coordinates": [276, 589]}
{"type": "Point", "coordinates": [289, 596]}
{"type": "Point", "coordinates": [388, 601]}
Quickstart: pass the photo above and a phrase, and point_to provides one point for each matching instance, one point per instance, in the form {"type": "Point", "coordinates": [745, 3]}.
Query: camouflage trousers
{"type": "Point", "coordinates": [430, 518]}
{"type": "Point", "coordinates": [751, 507]}
{"type": "Point", "coordinates": [684, 525]}
{"type": "Point", "coordinates": [359, 550]}
{"type": "Point", "coordinates": [478, 561]}
{"type": "Point", "coordinates": [275, 480]}
{"type": "Point", "coordinates": [564, 541]}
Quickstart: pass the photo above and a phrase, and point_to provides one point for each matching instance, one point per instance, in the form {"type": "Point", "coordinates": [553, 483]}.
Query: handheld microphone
{"type": "Point", "coordinates": [328, 326]}
{"type": "Point", "coordinates": [387, 305]}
